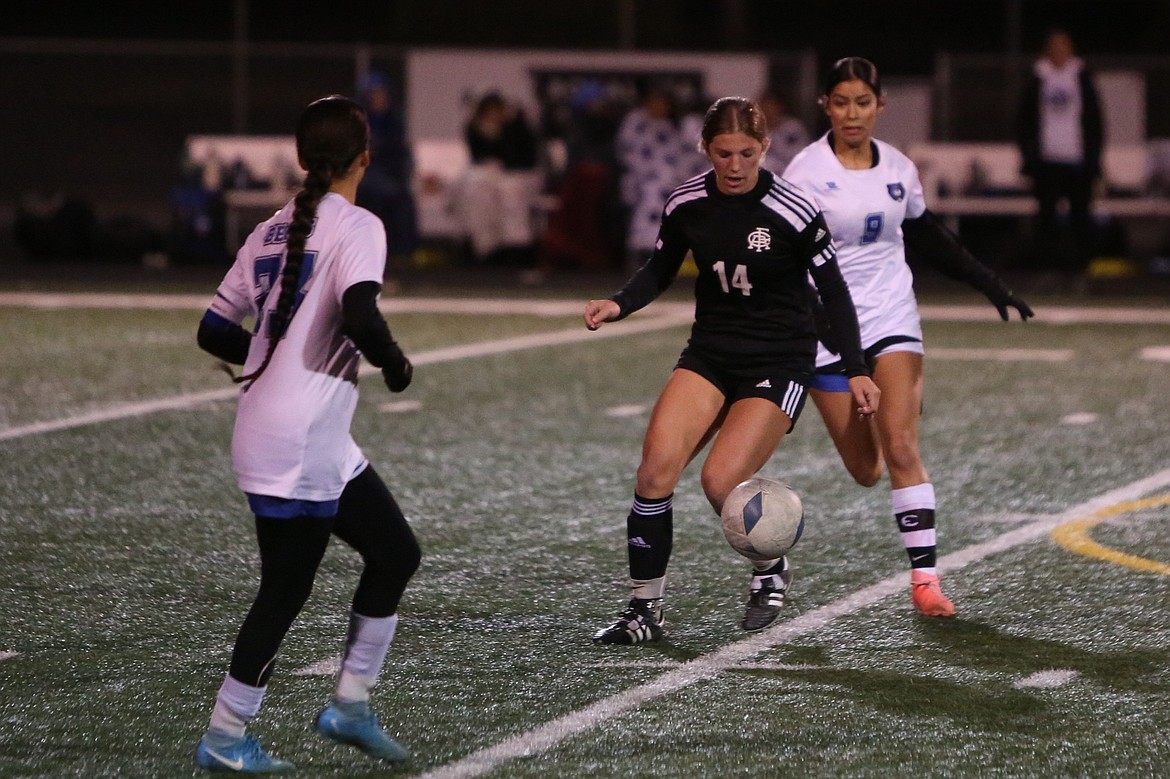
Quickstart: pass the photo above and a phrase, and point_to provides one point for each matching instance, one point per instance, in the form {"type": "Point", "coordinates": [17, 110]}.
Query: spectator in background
{"type": "Point", "coordinates": [498, 191]}
{"type": "Point", "coordinates": [786, 134]}
{"type": "Point", "coordinates": [386, 188]}
{"type": "Point", "coordinates": [649, 148]}
{"type": "Point", "coordinates": [197, 218]}
{"type": "Point", "coordinates": [692, 159]}
{"type": "Point", "coordinates": [580, 232]}
{"type": "Point", "coordinates": [1060, 133]}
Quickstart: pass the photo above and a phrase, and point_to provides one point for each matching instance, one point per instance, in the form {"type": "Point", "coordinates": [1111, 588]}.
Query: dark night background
{"type": "Point", "coordinates": [901, 35]}
{"type": "Point", "coordinates": [108, 91]}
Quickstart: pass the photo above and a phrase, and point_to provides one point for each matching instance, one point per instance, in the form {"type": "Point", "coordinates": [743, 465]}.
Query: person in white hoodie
{"type": "Point", "coordinates": [1060, 133]}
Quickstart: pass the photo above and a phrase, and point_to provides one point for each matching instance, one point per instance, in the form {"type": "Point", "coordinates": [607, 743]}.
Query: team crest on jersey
{"type": "Point", "coordinates": [896, 190]}
{"type": "Point", "coordinates": [760, 239]}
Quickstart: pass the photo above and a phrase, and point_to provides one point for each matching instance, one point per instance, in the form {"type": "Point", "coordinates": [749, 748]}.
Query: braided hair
{"type": "Point", "coordinates": [331, 133]}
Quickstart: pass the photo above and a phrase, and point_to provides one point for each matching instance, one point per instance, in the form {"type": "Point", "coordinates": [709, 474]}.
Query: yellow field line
{"type": "Point", "coordinates": [1074, 536]}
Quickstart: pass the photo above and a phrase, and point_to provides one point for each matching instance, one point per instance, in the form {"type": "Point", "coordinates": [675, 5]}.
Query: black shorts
{"type": "Point", "coordinates": [785, 387]}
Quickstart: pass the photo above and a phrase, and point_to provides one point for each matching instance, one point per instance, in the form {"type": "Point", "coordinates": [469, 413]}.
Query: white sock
{"type": "Point", "coordinates": [367, 643]}
{"type": "Point", "coordinates": [918, 496]}
{"type": "Point", "coordinates": [649, 589]}
{"type": "Point", "coordinates": [236, 705]}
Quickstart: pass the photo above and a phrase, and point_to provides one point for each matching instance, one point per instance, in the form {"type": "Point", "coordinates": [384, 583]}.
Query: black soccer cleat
{"type": "Point", "coordinates": [641, 621]}
{"type": "Point", "coordinates": [764, 604]}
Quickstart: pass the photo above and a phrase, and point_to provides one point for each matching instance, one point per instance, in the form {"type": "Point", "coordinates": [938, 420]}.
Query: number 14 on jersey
{"type": "Point", "coordinates": [739, 278]}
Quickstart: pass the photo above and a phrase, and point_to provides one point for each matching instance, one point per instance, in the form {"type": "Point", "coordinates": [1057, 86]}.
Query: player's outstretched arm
{"type": "Point", "coordinates": [598, 312]}
{"type": "Point", "coordinates": [930, 239]}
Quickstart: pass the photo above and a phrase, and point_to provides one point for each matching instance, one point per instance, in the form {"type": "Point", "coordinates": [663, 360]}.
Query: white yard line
{"type": "Point", "coordinates": [545, 737]}
{"type": "Point", "coordinates": [942, 313]}
{"type": "Point", "coordinates": [1000, 355]}
{"type": "Point", "coordinates": [120, 411]}
{"type": "Point", "coordinates": [1051, 315]}
{"type": "Point", "coordinates": [1046, 680]}
{"type": "Point", "coordinates": [661, 315]}
{"type": "Point", "coordinates": [637, 324]}
{"type": "Point", "coordinates": [390, 304]}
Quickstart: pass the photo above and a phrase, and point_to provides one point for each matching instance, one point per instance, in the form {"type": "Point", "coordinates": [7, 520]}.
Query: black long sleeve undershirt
{"type": "Point", "coordinates": [841, 315]}
{"type": "Point", "coordinates": [223, 339]}
{"type": "Point", "coordinates": [363, 323]}
{"type": "Point", "coordinates": [929, 239]}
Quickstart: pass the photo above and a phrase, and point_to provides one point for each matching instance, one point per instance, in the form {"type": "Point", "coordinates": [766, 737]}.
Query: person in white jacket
{"type": "Point", "coordinates": [1060, 134]}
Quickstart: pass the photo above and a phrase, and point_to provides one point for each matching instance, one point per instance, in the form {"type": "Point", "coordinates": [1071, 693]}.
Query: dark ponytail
{"type": "Point", "coordinates": [331, 133]}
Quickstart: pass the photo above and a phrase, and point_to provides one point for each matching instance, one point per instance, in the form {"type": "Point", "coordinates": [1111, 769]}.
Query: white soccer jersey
{"type": "Point", "coordinates": [864, 210]}
{"type": "Point", "coordinates": [292, 436]}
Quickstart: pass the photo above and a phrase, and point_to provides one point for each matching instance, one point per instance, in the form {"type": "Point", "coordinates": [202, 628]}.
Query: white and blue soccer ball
{"type": "Point", "coordinates": [762, 518]}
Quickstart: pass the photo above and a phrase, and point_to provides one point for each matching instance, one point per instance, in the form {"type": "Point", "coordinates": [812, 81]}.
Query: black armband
{"type": "Point", "coordinates": [223, 338]}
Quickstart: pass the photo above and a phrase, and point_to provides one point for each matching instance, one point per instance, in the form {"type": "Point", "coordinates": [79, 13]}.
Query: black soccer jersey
{"type": "Point", "coordinates": [754, 253]}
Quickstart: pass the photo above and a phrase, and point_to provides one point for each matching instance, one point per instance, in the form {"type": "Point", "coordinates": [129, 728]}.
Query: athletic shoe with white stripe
{"type": "Point", "coordinates": [218, 751]}
{"type": "Point", "coordinates": [766, 599]}
{"type": "Point", "coordinates": [641, 621]}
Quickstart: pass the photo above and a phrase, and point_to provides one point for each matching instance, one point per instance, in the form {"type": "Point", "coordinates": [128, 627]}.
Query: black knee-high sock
{"type": "Point", "coordinates": [650, 536]}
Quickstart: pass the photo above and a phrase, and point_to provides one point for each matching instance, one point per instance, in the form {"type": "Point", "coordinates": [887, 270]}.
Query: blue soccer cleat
{"type": "Point", "coordinates": [218, 751]}
{"type": "Point", "coordinates": [356, 725]}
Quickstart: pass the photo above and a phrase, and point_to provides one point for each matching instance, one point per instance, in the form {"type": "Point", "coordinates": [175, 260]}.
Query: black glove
{"type": "Point", "coordinates": [1001, 299]}
{"type": "Point", "coordinates": [398, 375]}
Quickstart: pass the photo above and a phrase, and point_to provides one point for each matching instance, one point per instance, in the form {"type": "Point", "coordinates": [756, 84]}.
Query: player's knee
{"type": "Point", "coordinates": [655, 481]}
{"type": "Point", "coordinates": [902, 454]}
{"type": "Point", "coordinates": [866, 474]}
{"type": "Point", "coordinates": [396, 563]}
{"type": "Point", "coordinates": [410, 557]}
{"type": "Point", "coordinates": [717, 486]}
{"type": "Point", "coordinates": [281, 597]}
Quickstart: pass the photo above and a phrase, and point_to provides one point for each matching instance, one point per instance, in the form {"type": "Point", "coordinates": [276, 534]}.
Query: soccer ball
{"type": "Point", "coordinates": [762, 518]}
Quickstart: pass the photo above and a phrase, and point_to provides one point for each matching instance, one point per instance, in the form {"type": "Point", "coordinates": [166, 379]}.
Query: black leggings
{"type": "Point", "coordinates": [369, 520]}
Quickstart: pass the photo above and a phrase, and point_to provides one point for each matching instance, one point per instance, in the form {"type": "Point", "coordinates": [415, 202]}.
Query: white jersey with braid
{"type": "Point", "coordinates": [865, 210]}
{"type": "Point", "coordinates": [292, 436]}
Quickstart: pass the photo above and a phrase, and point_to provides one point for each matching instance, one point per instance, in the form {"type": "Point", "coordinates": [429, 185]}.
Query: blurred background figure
{"type": "Point", "coordinates": [197, 230]}
{"type": "Point", "coordinates": [786, 133]}
{"type": "Point", "coordinates": [498, 192]}
{"type": "Point", "coordinates": [386, 188]}
{"type": "Point", "coordinates": [582, 230]}
{"type": "Point", "coordinates": [1060, 134]}
{"type": "Point", "coordinates": [649, 149]}
{"type": "Point", "coordinates": [692, 159]}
